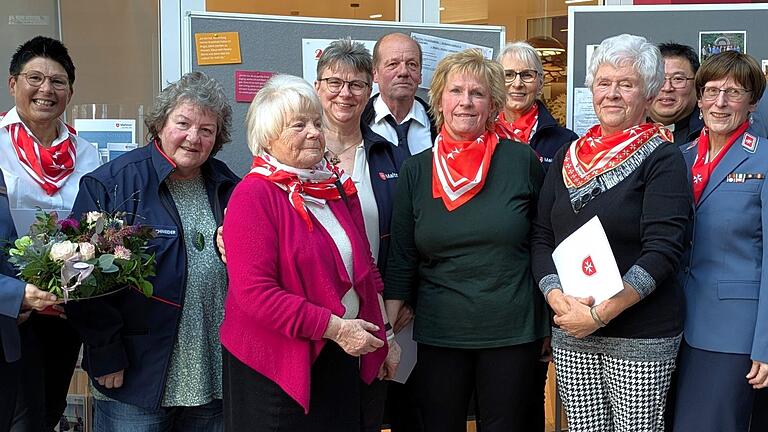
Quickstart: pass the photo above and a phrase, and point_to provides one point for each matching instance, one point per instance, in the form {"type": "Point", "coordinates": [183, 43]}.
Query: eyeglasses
{"type": "Point", "coordinates": [36, 79]}
{"type": "Point", "coordinates": [732, 94]}
{"type": "Point", "coordinates": [678, 81]}
{"type": "Point", "coordinates": [526, 76]}
{"type": "Point", "coordinates": [356, 87]}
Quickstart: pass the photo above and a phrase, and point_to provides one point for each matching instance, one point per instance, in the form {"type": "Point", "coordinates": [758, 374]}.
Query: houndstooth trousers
{"type": "Point", "coordinates": [602, 393]}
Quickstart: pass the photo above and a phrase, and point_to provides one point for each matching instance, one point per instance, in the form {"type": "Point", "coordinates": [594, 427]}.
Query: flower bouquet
{"type": "Point", "coordinates": [78, 259]}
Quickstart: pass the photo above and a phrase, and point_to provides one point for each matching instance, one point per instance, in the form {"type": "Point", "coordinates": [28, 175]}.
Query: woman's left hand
{"type": "Point", "coordinates": [389, 367]}
{"type": "Point", "coordinates": [758, 375]}
{"type": "Point", "coordinates": [577, 322]}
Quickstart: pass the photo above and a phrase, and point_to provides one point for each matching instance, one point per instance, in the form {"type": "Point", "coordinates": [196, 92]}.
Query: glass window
{"type": "Point", "coordinates": [544, 23]}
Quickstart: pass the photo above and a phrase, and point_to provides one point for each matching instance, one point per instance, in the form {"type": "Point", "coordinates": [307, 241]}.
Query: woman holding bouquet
{"type": "Point", "coordinates": [42, 160]}
{"type": "Point", "coordinates": [155, 363]}
{"type": "Point", "coordinates": [614, 360]}
{"type": "Point", "coordinates": [15, 296]}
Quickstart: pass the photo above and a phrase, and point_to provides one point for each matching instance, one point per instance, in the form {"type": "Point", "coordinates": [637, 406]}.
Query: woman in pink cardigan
{"type": "Point", "coordinates": [304, 298]}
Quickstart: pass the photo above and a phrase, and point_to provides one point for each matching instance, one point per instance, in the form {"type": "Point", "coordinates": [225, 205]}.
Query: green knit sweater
{"type": "Point", "coordinates": [469, 269]}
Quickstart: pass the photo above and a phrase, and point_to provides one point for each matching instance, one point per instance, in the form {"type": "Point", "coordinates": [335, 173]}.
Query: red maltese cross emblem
{"type": "Point", "coordinates": [588, 267]}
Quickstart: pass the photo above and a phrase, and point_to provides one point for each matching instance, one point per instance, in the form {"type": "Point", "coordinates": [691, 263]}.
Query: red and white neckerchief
{"type": "Point", "coordinates": [459, 168]}
{"type": "Point", "coordinates": [48, 166]}
{"type": "Point", "coordinates": [702, 167]}
{"type": "Point", "coordinates": [520, 129]}
{"type": "Point", "coordinates": [317, 184]}
{"type": "Point", "coordinates": [594, 154]}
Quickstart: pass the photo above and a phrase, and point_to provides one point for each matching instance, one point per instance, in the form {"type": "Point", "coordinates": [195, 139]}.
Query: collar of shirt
{"type": "Point", "coordinates": [13, 117]}
{"type": "Point", "coordinates": [417, 112]}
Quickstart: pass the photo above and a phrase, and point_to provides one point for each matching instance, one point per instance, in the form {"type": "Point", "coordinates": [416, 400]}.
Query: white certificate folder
{"type": "Point", "coordinates": [586, 265]}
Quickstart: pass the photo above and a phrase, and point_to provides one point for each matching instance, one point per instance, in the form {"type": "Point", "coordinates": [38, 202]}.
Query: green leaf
{"type": "Point", "coordinates": [106, 261]}
{"type": "Point", "coordinates": [146, 287]}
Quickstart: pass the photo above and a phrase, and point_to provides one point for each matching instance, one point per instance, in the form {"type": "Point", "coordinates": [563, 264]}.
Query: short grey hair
{"type": "Point", "coordinates": [524, 52]}
{"type": "Point", "coordinates": [346, 53]}
{"type": "Point", "coordinates": [281, 99]}
{"type": "Point", "coordinates": [630, 50]}
{"type": "Point", "coordinates": [204, 93]}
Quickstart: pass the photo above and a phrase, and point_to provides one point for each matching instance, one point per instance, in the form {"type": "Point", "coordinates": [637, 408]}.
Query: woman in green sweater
{"type": "Point", "coordinates": [459, 244]}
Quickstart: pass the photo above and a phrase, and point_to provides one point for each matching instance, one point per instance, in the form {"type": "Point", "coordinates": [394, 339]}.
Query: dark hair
{"type": "Point", "coordinates": [346, 53]}
{"type": "Point", "coordinates": [743, 68]}
{"type": "Point", "coordinates": [673, 49]}
{"type": "Point", "coordinates": [41, 46]}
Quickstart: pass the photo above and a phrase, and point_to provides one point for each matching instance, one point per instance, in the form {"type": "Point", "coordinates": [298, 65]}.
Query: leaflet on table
{"type": "Point", "coordinates": [435, 48]}
{"type": "Point", "coordinates": [586, 265]}
{"type": "Point", "coordinates": [408, 353]}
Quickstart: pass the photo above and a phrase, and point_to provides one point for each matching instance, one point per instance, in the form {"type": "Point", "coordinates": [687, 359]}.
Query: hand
{"type": "Point", "coordinates": [577, 322]}
{"type": "Point", "coordinates": [546, 350]}
{"type": "Point", "coordinates": [557, 302]}
{"type": "Point", "coordinates": [353, 335]}
{"type": "Point", "coordinates": [23, 317]}
{"type": "Point", "coordinates": [391, 362]}
{"type": "Point", "coordinates": [113, 380]}
{"type": "Point", "coordinates": [220, 242]}
{"type": "Point", "coordinates": [55, 311]}
{"type": "Point", "coordinates": [37, 299]}
{"type": "Point", "coordinates": [758, 375]}
{"type": "Point", "coordinates": [404, 316]}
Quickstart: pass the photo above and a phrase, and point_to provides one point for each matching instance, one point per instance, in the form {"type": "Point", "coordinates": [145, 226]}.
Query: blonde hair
{"type": "Point", "coordinates": [470, 62]}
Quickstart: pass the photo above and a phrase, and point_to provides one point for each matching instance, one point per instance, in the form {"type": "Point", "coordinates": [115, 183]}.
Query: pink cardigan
{"type": "Point", "coordinates": [285, 281]}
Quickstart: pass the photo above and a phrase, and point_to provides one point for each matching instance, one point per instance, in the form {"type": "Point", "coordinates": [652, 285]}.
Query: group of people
{"type": "Point", "coordinates": [278, 295]}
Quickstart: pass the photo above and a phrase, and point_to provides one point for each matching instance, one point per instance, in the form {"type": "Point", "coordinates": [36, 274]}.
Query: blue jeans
{"type": "Point", "coordinates": [114, 416]}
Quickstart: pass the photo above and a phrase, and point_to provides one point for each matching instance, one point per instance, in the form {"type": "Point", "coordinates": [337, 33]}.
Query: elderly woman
{"type": "Point", "coordinates": [460, 243]}
{"type": "Point", "coordinates": [304, 286]}
{"type": "Point", "coordinates": [156, 361]}
{"type": "Point", "coordinates": [614, 359]}
{"type": "Point", "coordinates": [42, 160]}
{"type": "Point", "coordinates": [724, 356]}
{"type": "Point", "coordinates": [525, 119]}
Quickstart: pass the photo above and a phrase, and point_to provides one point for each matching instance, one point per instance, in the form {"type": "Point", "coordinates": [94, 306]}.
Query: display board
{"type": "Point", "coordinates": [706, 28]}
{"type": "Point", "coordinates": [271, 44]}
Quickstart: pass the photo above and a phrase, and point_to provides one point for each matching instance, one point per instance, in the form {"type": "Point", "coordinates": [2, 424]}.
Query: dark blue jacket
{"type": "Point", "coordinates": [11, 289]}
{"type": "Point", "coordinates": [549, 136]}
{"type": "Point", "coordinates": [127, 330]}
{"type": "Point", "coordinates": [384, 169]}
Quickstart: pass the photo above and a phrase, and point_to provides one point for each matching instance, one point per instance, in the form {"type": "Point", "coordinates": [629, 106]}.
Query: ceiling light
{"type": "Point", "coordinates": [441, 8]}
{"type": "Point", "coordinates": [546, 45]}
{"type": "Point", "coordinates": [374, 16]}
{"type": "Point", "coordinates": [577, 1]}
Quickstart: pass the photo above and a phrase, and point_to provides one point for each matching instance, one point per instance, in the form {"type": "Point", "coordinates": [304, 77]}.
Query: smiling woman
{"type": "Point", "coordinates": [157, 359]}
{"type": "Point", "coordinates": [628, 174]}
{"type": "Point", "coordinates": [304, 286]}
{"type": "Point", "coordinates": [460, 230]}
{"type": "Point", "coordinates": [42, 160]}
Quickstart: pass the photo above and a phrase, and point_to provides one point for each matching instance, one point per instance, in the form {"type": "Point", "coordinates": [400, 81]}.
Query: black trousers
{"type": "Point", "coordinates": [373, 398]}
{"type": "Point", "coordinates": [506, 382]}
{"type": "Point", "coordinates": [254, 403]}
{"type": "Point", "coordinates": [9, 386]}
{"type": "Point", "coordinates": [402, 411]}
{"type": "Point", "coordinates": [49, 350]}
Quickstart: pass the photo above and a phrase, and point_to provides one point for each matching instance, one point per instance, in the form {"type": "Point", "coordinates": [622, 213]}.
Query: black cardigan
{"type": "Point", "coordinates": [645, 218]}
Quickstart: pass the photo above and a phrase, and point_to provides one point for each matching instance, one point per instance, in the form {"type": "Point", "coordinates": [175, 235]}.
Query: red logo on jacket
{"type": "Point", "coordinates": [588, 267]}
